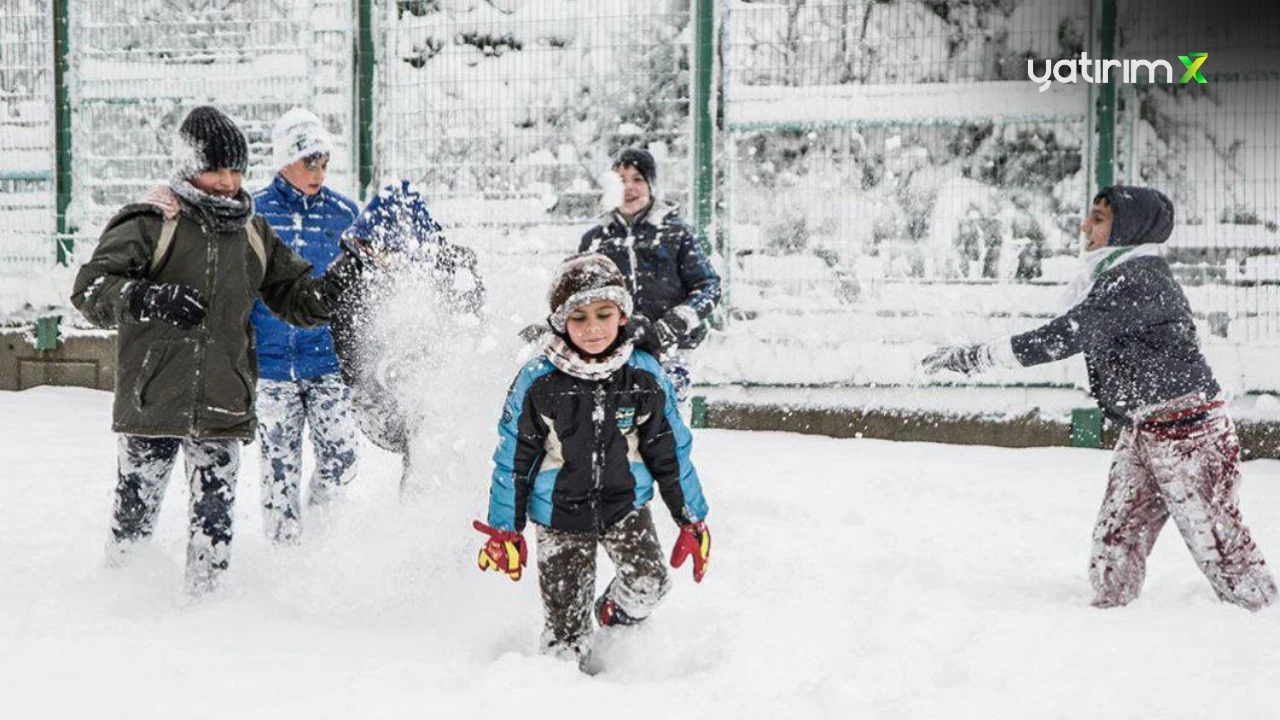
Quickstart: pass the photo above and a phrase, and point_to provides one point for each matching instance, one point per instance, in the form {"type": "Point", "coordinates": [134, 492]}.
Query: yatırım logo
{"type": "Point", "coordinates": [1064, 71]}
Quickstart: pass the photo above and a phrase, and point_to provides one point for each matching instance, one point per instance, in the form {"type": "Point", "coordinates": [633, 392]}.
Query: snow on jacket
{"type": "Point", "coordinates": [311, 226]}
{"type": "Point", "coordinates": [1134, 327]}
{"type": "Point", "coordinates": [396, 224]}
{"type": "Point", "coordinates": [196, 383]}
{"type": "Point", "coordinates": [660, 256]}
{"type": "Point", "coordinates": [579, 455]}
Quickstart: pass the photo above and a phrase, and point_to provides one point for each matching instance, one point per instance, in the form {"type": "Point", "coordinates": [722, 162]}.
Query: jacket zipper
{"type": "Point", "coordinates": [597, 456]}
{"type": "Point", "coordinates": [210, 273]}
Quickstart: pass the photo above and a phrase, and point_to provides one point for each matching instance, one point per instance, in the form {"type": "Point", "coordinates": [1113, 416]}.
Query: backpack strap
{"type": "Point", "coordinates": [170, 227]}
{"type": "Point", "coordinates": [259, 246]}
{"type": "Point", "coordinates": [167, 231]}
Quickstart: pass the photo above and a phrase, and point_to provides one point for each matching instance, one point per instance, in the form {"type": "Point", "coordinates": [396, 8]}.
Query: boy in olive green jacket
{"type": "Point", "coordinates": [177, 274]}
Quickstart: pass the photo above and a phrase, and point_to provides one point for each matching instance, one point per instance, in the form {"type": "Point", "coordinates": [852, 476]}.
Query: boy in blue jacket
{"type": "Point", "coordinates": [299, 383]}
{"type": "Point", "coordinates": [589, 429]}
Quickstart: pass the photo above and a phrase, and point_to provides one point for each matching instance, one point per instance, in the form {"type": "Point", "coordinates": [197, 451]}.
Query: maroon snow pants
{"type": "Point", "coordinates": [1190, 472]}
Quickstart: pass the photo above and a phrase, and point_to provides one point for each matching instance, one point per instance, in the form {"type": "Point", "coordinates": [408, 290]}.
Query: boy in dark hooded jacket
{"type": "Point", "coordinates": [674, 286]}
{"type": "Point", "coordinates": [589, 429]}
{"type": "Point", "coordinates": [1177, 455]}
{"type": "Point", "coordinates": [394, 239]}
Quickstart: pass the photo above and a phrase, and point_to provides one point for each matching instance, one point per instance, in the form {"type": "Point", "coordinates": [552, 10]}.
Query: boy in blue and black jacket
{"type": "Point", "coordinates": [588, 430]}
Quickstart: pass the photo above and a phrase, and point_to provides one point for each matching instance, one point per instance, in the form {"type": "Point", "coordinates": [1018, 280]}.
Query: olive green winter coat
{"type": "Point", "coordinates": [196, 383]}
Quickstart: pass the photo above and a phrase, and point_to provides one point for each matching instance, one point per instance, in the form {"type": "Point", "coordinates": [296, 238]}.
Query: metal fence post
{"type": "Point", "coordinates": [62, 125]}
{"type": "Point", "coordinates": [364, 62]}
{"type": "Point", "coordinates": [703, 131]}
{"type": "Point", "coordinates": [1106, 108]}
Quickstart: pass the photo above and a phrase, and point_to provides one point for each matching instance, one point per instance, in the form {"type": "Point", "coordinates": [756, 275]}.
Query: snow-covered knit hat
{"type": "Point", "coordinates": [585, 278]}
{"type": "Point", "coordinates": [209, 140]}
{"type": "Point", "coordinates": [298, 134]}
{"type": "Point", "coordinates": [397, 220]}
{"type": "Point", "coordinates": [641, 161]}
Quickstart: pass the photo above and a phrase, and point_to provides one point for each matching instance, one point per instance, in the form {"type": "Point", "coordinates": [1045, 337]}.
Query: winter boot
{"type": "Point", "coordinates": [608, 614]}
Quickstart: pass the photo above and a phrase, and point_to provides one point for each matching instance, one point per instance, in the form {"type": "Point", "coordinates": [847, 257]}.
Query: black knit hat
{"type": "Point", "coordinates": [214, 141]}
{"type": "Point", "coordinates": [582, 279]}
{"type": "Point", "coordinates": [639, 160]}
{"type": "Point", "coordinates": [1140, 215]}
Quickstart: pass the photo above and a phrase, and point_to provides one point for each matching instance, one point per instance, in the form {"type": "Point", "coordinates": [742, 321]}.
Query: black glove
{"type": "Point", "coordinates": [967, 359]}
{"type": "Point", "coordinates": [178, 305]}
{"type": "Point", "coordinates": [645, 335]}
{"type": "Point", "coordinates": [678, 322]}
{"type": "Point", "coordinates": [534, 332]}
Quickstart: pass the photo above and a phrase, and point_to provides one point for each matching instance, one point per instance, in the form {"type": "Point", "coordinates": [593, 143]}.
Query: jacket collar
{"type": "Point", "coordinates": [293, 197]}
{"type": "Point", "coordinates": [653, 215]}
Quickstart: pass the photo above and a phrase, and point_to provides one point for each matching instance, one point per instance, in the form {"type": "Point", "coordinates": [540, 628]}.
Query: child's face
{"type": "Point", "coordinates": [225, 182]}
{"type": "Point", "coordinates": [593, 327]}
{"type": "Point", "coordinates": [635, 190]}
{"type": "Point", "coordinates": [1097, 225]}
{"type": "Point", "coordinates": [307, 174]}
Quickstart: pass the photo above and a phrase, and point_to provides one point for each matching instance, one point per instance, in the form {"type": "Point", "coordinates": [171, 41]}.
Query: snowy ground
{"type": "Point", "coordinates": [851, 578]}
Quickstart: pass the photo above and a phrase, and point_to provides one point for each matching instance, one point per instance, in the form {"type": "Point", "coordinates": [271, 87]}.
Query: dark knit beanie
{"type": "Point", "coordinates": [582, 279]}
{"type": "Point", "coordinates": [639, 160]}
{"type": "Point", "coordinates": [1140, 215]}
{"type": "Point", "coordinates": [213, 141]}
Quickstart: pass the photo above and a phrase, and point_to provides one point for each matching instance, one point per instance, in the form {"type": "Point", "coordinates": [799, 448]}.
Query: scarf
{"type": "Point", "coordinates": [1095, 262]}
{"type": "Point", "coordinates": [570, 361]}
{"type": "Point", "coordinates": [214, 212]}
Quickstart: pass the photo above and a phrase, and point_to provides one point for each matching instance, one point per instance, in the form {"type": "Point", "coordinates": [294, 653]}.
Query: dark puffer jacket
{"type": "Point", "coordinates": [659, 254]}
{"type": "Point", "coordinates": [579, 455]}
{"type": "Point", "coordinates": [1135, 326]}
{"type": "Point", "coordinates": [196, 383]}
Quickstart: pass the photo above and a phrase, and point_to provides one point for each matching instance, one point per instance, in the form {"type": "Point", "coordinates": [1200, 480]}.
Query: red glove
{"type": "Point", "coordinates": [505, 551]}
{"type": "Point", "coordinates": [694, 540]}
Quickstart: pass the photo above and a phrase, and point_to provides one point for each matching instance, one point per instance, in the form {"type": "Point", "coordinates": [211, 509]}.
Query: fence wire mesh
{"type": "Point", "coordinates": [27, 219]}
{"type": "Point", "coordinates": [138, 69]}
{"type": "Point", "coordinates": [508, 112]}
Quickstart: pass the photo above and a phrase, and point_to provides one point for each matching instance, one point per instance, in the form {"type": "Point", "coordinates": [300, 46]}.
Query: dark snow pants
{"type": "Point", "coordinates": [284, 408]}
{"type": "Point", "coordinates": [1189, 472]}
{"type": "Point", "coordinates": [567, 577]}
{"type": "Point", "coordinates": [212, 465]}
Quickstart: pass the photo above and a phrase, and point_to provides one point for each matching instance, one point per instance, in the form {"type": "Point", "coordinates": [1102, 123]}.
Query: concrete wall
{"type": "Point", "coordinates": [80, 361]}
{"type": "Point", "coordinates": [1258, 439]}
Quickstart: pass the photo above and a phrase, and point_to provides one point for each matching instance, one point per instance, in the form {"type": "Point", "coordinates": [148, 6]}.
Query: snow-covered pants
{"type": "Point", "coordinates": [1188, 472]}
{"type": "Point", "coordinates": [284, 407]}
{"type": "Point", "coordinates": [567, 577]}
{"type": "Point", "coordinates": [212, 465]}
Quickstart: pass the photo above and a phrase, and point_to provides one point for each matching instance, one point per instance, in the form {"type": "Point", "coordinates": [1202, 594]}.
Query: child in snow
{"type": "Point", "coordinates": [673, 284]}
{"type": "Point", "coordinates": [299, 384]}
{"type": "Point", "coordinates": [1177, 455]}
{"type": "Point", "coordinates": [395, 239]}
{"type": "Point", "coordinates": [178, 273]}
{"type": "Point", "coordinates": [588, 429]}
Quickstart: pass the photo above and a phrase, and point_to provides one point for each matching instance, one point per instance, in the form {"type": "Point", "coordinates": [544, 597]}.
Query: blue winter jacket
{"type": "Point", "coordinates": [579, 455]}
{"type": "Point", "coordinates": [311, 226]}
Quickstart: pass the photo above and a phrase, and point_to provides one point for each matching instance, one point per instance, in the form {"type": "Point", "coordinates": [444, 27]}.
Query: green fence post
{"type": "Point", "coordinates": [704, 27]}
{"type": "Point", "coordinates": [698, 414]}
{"type": "Point", "coordinates": [1106, 109]}
{"type": "Point", "coordinates": [62, 126]}
{"type": "Point", "coordinates": [364, 62]}
{"type": "Point", "coordinates": [47, 334]}
{"type": "Point", "coordinates": [1086, 428]}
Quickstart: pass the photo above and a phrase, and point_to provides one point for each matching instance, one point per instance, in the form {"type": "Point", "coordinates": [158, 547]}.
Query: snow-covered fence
{"type": "Point", "coordinates": [893, 180]}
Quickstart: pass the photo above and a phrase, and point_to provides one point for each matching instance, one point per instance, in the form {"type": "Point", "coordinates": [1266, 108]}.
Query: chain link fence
{"type": "Point", "coordinates": [888, 177]}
